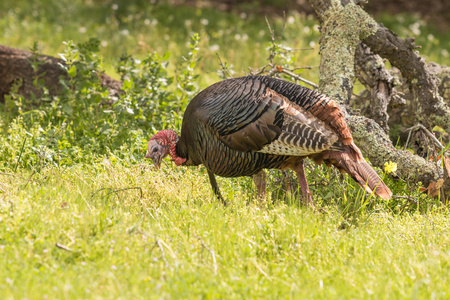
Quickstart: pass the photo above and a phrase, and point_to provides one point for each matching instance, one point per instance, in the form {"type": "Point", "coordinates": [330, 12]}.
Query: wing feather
{"type": "Point", "coordinates": [256, 118]}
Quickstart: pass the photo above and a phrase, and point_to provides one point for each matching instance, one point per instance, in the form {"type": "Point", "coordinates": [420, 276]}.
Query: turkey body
{"type": "Point", "coordinates": [237, 127]}
{"type": "Point", "coordinates": [226, 126]}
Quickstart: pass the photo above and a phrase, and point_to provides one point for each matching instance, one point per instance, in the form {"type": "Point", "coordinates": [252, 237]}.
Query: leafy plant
{"type": "Point", "coordinates": [90, 122]}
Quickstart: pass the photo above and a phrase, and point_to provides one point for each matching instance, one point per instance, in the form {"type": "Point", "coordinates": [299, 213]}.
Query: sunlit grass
{"type": "Point", "coordinates": [139, 27]}
{"type": "Point", "coordinates": [117, 229]}
{"type": "Point", "coordinates": [120, 232]}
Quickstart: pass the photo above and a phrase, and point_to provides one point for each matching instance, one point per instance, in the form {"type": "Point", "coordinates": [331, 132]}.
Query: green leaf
{"type": "Point", "coordinates": [67, 109]}
{"type": "Point", "coordinates": [72, 71]}
{"type": "Point", "coordinates": [128, 84]}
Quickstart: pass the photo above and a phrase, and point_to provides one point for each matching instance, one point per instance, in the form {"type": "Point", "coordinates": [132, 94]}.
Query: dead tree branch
{"type": "Point", "coordinates": [370, 71]}
{"type": "Point", "coordinates": [16, 64]}
{"type": "Point", "coordinates": [427, 105]}
{"type": "Point", "coordinates": [272, 69]}
{"type": "Point", "coordinates": [344, 24]}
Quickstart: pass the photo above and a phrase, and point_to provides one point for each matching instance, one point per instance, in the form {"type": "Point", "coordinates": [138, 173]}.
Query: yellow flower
{"type": "Point", "coordinates": [390, 167]}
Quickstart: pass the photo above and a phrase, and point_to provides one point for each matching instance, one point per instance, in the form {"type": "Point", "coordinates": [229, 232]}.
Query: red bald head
{"type": "Point", "coordinates": [162, 144]}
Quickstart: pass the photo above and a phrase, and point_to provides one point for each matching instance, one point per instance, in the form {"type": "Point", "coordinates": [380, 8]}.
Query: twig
{"type": "Point", "coordinates": [295, 76]}
{"type": "Point", "coordinates": [272, 36]}
{"type": "Point", "coordinates": [157, 243]}
{"type": "Point", "coordinates": [162, 252]}
{"type": "Point", "coordinates": [276, 69]}
{"type": "Point", "coordinates": [405, 197]}
{"type": "Point", "coordinates": [146, 234]}
{"type": "Point", "coordinates": [224, 68]}
{"type": "Point", "coordinates": [305, 67]}
{"type": "Point", "coordinates": [97, 191]}
{"type": "Point", "coordinates": [8, 174]}
{"type": "Point", "coordinates": [259, 71]}
{"type": "Point", "coordinates": [248, 240]}
{"type": "Point", "coordinates": [284, 22]}
{"type": "Point", "coordinates": [210, 251]}
{"type": "Point", "coordinates": [126, 189]}
{"type": "Point", "coordinates": [260, 269]}
{"type": "Point", "coordinates": [60, 246]}
{"type": "Point", "coordinates": [430, 135]}
{"type": "Point", "coordinates": [29, 179]}
{"type": "Point", "coordinates": [119, 190]}
{"type": "Point", "coordinates": [20, 155]}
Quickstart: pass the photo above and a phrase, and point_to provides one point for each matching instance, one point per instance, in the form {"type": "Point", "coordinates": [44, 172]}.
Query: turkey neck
{"type": "Point", "coordinates": [170, 139]}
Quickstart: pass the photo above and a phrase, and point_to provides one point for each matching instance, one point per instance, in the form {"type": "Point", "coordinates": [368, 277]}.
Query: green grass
{"type": "Point", "coordinates": [176, 241]}
{"type": "Point", "coordinates": [102, 224]}
{"type": "Point", "coordinates": [138, 28]}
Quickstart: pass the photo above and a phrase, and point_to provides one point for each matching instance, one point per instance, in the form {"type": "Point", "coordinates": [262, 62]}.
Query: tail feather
{"type": "Point", "coordinates": [353, 163]}
{"type": "Point", "coordinates": [367, 178]}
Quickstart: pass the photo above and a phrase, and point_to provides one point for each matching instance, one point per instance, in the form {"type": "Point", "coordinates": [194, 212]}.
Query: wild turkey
{"type": "Point", "coordinates": [237, 127]}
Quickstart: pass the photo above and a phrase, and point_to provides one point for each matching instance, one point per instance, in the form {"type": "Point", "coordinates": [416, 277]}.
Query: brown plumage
{"type": "Point", "coordinates": [237, 127]}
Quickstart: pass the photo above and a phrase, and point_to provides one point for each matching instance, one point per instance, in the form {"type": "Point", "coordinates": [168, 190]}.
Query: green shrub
{"type": "Point", "coordinates": [84, 122]}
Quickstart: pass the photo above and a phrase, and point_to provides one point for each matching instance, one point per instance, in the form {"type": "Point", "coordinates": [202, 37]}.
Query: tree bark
{"type": "Point", "coordinates": [16, 64]}
{"type": "Point", "coordinates": [344, 24]}
{"type": "Point", "coordinates": [428, 105]}
{"type": "Point", "coordinates": [370, 71]}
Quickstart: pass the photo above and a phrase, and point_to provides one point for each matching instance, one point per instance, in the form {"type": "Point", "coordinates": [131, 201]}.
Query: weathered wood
{"type": "Point", "coordinates": [16, 64]}
{"type": "Point", "coordinates": [427, 105]}
{"type": "Point", "coordinates": [344, 24]}
{"type": "Point", "coordinates": [370, 71]}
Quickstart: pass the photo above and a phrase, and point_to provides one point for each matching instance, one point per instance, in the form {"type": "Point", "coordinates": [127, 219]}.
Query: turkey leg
{"type": "Point", "coordinates": [300, 170]}
{"type": "Point", "coordinates": [260, 182]}
{"type": "Point", "coordinates": [215, 187]}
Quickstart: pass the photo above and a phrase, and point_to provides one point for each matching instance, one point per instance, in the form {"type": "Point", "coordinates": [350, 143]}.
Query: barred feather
{"type": "Point", "coordinates": [239, 126]}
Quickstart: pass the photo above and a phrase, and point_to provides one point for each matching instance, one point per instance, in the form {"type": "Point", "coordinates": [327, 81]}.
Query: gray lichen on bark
{"type": "Point", "coordinates": [379, 149]}
{"type": "Point", "coordinates": [379, 83]}
{"type": "Point", "coordinates": [342, 28]}
{"type": "Point", "coordinates": [344, 24]}
{"type": "Point", "coordinates": [427, 105]}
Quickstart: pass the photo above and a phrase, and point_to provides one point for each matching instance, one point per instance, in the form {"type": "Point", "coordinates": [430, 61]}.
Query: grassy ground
{"type": "Point", "coordinates": [112, 228]}
{"type": "Point", "coordinates": [122, 232]}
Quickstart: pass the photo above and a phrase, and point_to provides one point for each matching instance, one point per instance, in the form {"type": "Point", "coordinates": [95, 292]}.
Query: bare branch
{"type": "Point", "coordinates": [296, 77]}
{"type": "Point", "coordinates": [224, 67]}
{"type": "Point", "coordinates": [339, 39]}
{"type": "Point", "coordinates": [60, 246]}
{"type": "Point", "coordinates": [429, 134]}
{"type": "Point", "coordinates": [428, 106]}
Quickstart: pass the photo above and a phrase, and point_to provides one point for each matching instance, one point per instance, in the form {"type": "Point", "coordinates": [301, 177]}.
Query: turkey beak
{"type": "Point", "coordinates": [157, 161]}
{"type": "Point", "coordinates": [156, 152]}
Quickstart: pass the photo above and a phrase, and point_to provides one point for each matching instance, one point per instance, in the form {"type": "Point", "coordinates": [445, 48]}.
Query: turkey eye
{"type": "Point", "coordinates": [155, 149]}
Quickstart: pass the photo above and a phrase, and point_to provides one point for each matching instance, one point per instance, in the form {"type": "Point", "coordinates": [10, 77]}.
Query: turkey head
{"type": "Point", "coordinates": [156, 152]}
{"type": "Point", "coordinates": [162, 144]}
